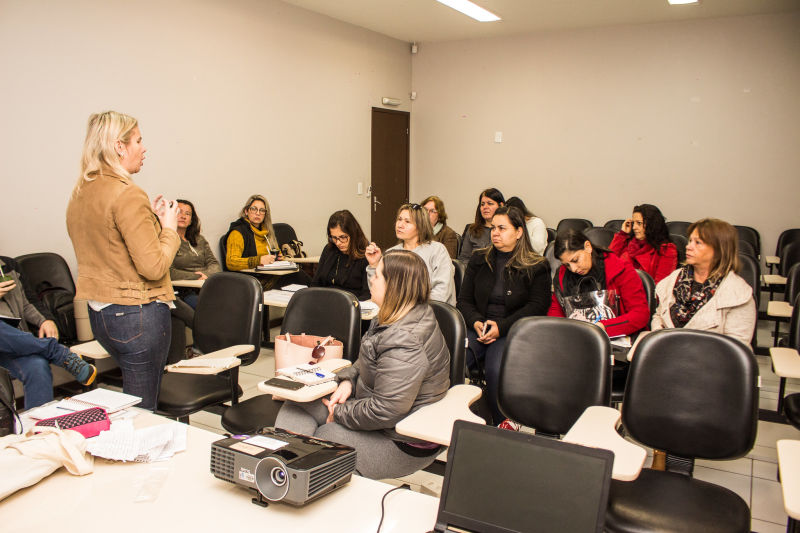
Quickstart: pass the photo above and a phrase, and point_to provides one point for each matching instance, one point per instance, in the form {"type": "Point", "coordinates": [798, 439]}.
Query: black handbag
{"type": "Point", "coordinates": [7, 411]}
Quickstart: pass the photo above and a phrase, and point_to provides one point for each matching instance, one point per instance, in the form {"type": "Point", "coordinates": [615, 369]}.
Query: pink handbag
{"type": "Point", "coordinates": [293, 350]}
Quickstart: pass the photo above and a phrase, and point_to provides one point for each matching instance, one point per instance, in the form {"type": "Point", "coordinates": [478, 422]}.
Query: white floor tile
{"type": "Point", "coordinates": [760, 526]}
{"type": "Point", "coordinates": [765, 470]}
{"type": "Point", "coordinates": [767, 501]}
{"type": "Point", "coordinates": [769, 433]}
{"type": "Point", "coordinates": [206, 419]}
{"type": "Point", "coordinates": [217, 430]}
{"type": "Point", "coordinates": [736, 482]}
{"type": "Point", "coordinates": [248, 381]}
{"type": "Point", "coordinates": [770, 404]}
{"type": "Point", "coordinates": [743, 466]}
{"type": "Point", "coordinates": [764, 453]}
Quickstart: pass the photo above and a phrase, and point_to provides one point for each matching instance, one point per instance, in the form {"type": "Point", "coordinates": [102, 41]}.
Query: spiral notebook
{"type": "Point", "coordinates": [307, 374]}
{"type": "Point", "coordinates": [111, 401]}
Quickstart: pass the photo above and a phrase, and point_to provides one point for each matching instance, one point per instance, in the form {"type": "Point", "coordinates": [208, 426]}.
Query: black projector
{"type": "Point", "coordinates": [283, 466]}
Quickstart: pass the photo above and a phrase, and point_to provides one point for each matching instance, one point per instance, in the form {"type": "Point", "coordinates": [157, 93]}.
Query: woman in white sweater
{"type": "Point", "coordinates": [537, 231]}
{"type": "Point", "coordinates": [414, 231]}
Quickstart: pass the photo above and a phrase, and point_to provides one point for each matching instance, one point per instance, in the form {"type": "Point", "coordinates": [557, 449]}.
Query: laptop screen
{"type": "Point", "coordinates": [505, 481]}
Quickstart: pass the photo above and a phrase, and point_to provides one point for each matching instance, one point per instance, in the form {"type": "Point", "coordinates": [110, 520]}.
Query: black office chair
{"type": "Point", "coordinates": [786, 236]}
{"type": "Point", "coordinates": [458, 274]}
{"type": "Point", "coordinates": [678, 227]}
{"type": "Point", "coordinates": [746, 248]}
{"type": "Point", "coordinates": [553, 369]}
{"type": "Point", "coordinates": [790, 405]}
{"type": "Point", "coordinates": [750, 235]}
{"type": "Point", "coordinates": [223, 252]}
{"type": "Point", "coordinates": [680, 243]}
{"type": "Point", "coordinates": [454, 329]}
{"type": "Point", "coordinates": [553, 262]}
{"type": "Point", "coordinates": [578, 224]}
{"type": "Point", "coordinates": [693, 394]}
{"type": "Point", "coordinates": [284, 233]}
{"type": "Point", "coordinates": [48, 276]}
{"type": "Point", "coordinates": [614, 225]}
{"type": "Point", "coordinates": [551, 235]}
{"type": "Point", "coordinates": [463, 236]}
{"type": "Point", "coordinates": [619, 374]}
{"type": "Point", "coordinates": [599, 237]}
{"type": "Point", "coordinates": [790, 256]}
{"type": "Point", "coordinates": [228, 313]}
{"type": "Point", "coordinates": [750, 271]}
{"type": "Point", "coordinates": [318, 311]}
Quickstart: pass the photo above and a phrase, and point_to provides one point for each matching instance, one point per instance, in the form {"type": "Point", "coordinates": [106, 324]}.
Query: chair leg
{"type": "Point", "coordinates": [781, 392]}
{"type": "Point", "coordinates": [234, 377]}
{"type": "Point", "coordinates": [680, 465]}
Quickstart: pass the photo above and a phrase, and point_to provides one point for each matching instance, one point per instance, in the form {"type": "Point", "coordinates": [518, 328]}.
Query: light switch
{"type": "Point", "coordinates": [498, 136]}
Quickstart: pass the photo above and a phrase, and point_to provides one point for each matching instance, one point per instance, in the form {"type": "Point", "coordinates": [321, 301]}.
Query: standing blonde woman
{"type": "Point", "coordinates": [124, 246]}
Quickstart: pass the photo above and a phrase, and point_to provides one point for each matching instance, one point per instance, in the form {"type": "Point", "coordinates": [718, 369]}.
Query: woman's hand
{"type": "Point", "coordinates": [48, 329]}
{"type": "Point", "coordinates": [627, 225]}
{"type": "Point", "coordinates": [267, 259]}
{"type": "Point", "coordinates": [340, 395]}
{"type": "Point", "coordinates": [373, 254]}
{"type": "Point", "coordinates": [200, 275]}
{"type": "Point", "coordinates": [478, 327]}
{"type": "Point", "coordinates": [158, 205]}
{"type": "Point", "coordinates": [7, 286]}
{"type": "Point", "coordinates": [492, 333]}
{"type": "Point", "coordinates": [167, 213]}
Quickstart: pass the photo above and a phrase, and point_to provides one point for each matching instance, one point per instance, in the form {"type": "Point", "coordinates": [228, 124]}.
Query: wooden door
{"type": "Point", "coordinates": [389, 180]}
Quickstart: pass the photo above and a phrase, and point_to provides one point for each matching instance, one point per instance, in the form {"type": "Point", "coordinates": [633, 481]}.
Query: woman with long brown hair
{"type": "Point", "coordinates": [342, 263]}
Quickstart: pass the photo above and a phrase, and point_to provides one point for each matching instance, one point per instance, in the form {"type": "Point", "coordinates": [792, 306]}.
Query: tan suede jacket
{"type": "Point", "coordinates": [123, 253]}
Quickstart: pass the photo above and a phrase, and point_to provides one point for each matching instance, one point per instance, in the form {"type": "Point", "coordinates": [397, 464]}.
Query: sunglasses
{"type": "Point", "coordinates": [318, 352]}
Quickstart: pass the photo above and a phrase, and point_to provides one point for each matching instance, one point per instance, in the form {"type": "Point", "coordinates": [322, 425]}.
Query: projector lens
{"type": "Point", "coordinates": [278, 476]}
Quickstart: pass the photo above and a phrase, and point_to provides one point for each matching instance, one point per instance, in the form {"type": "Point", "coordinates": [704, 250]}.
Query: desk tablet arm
{"type": "Point", "coordinates": [231, 353]}
{"type": "Point", "coordinates": [597, 428]}
{"type": "Point", "coordinates": [90, 350]}
{"type": "Point", "coordinates": [434, 422]}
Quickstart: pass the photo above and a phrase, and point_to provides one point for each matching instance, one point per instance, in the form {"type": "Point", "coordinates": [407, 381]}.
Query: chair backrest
{"type": "Point", "coordinates": [552, 370]}
{"type": "Point", "coordinates": [746, 248]}
{"type": "Point", "coordinates": [751, 235]}
{"type": "Point", "coordinates": [792, 288]}
{"type": "Point", "coordinates": [552, 260]}
{"type": "Point", "coordinates": [458, 274]}
{"type": "Point", "coordinates": [750, 271]}
{"type": "Point", "coordinates": [463, 236]}
{"type": "Point", "coordinates": [223, 252]}
{"type": "Point", "coordinates": [693, 394]}
{"type": "Point", "coordinates": [790, 256]}
{"type": "Point", "coordinates": [678, 227]}
{"type": "Point", "coordinates": [649, 290]}
{"type": "Point", "coordinates": [284, 233]}
{"type": "Point", "coordinates": [40, 269]}
{"type": "Point", "coordinates": [326, 311]}
{"type": "Point", "coordinates": [680, 243]}
{"type": "Point", "coordinates": [787, 236]}
{"type": "Point", "coordinates": [794, 326]}
{"type": "Point", "coordinates": [614, 225]}
{"type": "Point", "coordinates": [454, 329]}
{"type": "Point", "coordinates": [551, 235]}
{"type": "Point", "coordinates": [600, 237]}
{"type": "Point", "coordinates": [578, 224]}
{"type": "Point", "coordinates": [229, 312]}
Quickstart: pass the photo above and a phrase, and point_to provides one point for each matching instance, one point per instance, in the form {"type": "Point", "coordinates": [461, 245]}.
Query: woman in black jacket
{"type": "Point", "coordinates": [506, 283]}
{"type": "Point", "coordinates": [342, 263]}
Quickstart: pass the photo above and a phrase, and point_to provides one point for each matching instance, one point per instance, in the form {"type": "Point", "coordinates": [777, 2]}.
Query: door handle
{"type": "Point", "coordinates": [375, 203]}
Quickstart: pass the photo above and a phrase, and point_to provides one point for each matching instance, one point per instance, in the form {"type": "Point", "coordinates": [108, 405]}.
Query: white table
{"type": "Point", "coordinates": [268, 272]}
{"type": "Point", "coordinates": [778, 309]}
{"type": "Point", "coordinates": [193, 283]}
{"type": "Point", "coordinates": [301, 260]}
{"type": "Point", "coordinates": [280, 298]}
{"type": "Point", "coordinates": [789, 467]}
{"type": "Point", "coordinates": [187, 497]}
{"type": "Point", "coordinates": [307, 393]}
{"type": "Point", "coordinates": [434, 422]}
{"type": "Point", "coordinates": [785, 364]}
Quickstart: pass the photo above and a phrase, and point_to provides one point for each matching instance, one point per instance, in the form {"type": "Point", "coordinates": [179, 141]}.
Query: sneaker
{"type": "Point", "coordinates": [509, 425]}
{"type": "Point", "coordinates": [83, 371]}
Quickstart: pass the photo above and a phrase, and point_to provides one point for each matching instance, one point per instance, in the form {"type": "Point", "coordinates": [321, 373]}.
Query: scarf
{"type": "Point", "coordinates": [690, 296]}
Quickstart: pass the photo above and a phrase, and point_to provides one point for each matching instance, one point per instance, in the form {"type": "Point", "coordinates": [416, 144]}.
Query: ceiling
{"type": "Point", "coordinates": [428, 20]}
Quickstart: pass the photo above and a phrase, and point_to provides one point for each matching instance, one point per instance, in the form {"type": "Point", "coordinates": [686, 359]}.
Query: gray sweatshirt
{"type": "Point", "coordinates": [440, 268]}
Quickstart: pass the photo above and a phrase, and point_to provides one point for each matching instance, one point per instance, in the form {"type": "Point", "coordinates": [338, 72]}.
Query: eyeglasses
{"type": "Point", "coordinates": [187, 213]}
{"type": "Point", "coordinates": [341, 238]}
{"type": "Point", "coordinates": [261, 211]}
{"type": "Point", "coordinates": [434, 211]}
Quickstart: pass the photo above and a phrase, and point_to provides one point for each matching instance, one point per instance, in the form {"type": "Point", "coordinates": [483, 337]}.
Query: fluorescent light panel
{"type": "Point", "coordinates": [470, 10]}
{"type": "Point", "coordinates": [681, 2]}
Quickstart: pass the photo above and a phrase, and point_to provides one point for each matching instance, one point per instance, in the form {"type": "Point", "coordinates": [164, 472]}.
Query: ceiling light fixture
{"type": "Point", "coordinates": [470, 10]}
{"type": "Point", "coordinates": [682, 2]}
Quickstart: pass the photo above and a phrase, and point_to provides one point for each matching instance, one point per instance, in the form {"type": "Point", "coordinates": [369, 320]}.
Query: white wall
{"type": "Point", "coordinates": [234, 97]}
{"type": "Point", "coordinates": [700, 118]}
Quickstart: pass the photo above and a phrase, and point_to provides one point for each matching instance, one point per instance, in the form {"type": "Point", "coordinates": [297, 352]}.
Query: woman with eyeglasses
{"type": "Point", "coordinates": [342, 263]}
{"type": "Point", "coordinates": [586, 268]}
{"type": "Point", "coordinates": [643, 241]}
{"type": "Point", "coordinates": [478, 234]}
{"type": "Point", "coordinates": [403, 365]}
{"type": "Point", "coordinates": [441, 231]}
{"type": "Point", "coordinates": [194, 259]}
{"type": "Point", "coordinates": [413, 230]}
{"type": "Point", "coordinates": [504, 283]}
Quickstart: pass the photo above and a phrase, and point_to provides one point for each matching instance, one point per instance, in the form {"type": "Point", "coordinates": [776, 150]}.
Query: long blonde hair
{"type": "Point", "coordinates": [408, 284]}
{"type": "Point", "coordinates": [99, 153]}
{"type": "Point", "coordinates": [267, 222]}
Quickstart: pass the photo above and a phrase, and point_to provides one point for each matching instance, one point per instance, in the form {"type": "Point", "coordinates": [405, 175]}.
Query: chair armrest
{"type": "Point", "coordinates": [91, 349]}
{"type": "Point", "coordinates": [230, 352]}
{"type": "Point", "coordinates": [778, 309]}
{"type": "Point", "coordinates": [307, 393]}
{"type": "Point", "coordinates": [785, 362]}
{"type": "Point", "coordinates": [772, 260]}
{"type": "Point", "coordinates": [434, 422]}
{"type": "Point", "coordinates": [195, 283]}
{"type": "Point", "coordinates": [596, 428]}
{"type": "Point", "coordinates": [773, 279]}
{"type": "Point", "coordinates": [789, 466]}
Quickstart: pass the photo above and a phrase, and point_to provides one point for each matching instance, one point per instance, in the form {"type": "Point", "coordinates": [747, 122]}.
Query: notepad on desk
{"type": "Point", "coordinates": [277, 265]}
{"type": "Point", "coordinates": [307, 374]}
{"type": "Point", "coordinates": [111, 401]}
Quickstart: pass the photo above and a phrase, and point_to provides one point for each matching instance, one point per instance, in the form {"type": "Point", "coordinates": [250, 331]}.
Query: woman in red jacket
{"type": "Point", "coordinates": [644, 242]}
{"type": "Point", "coordinates": [586, 268]}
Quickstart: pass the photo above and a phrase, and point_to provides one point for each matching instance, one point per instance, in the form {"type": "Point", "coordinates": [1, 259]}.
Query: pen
{"type": "Point", "coordinates": [65, 409]}
{"type": "Point", "coordinates": [483, 331]}
{"type": "Point", "coordinates": [319, 375]}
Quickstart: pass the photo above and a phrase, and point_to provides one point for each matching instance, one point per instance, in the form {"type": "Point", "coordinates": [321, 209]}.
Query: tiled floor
{"type": "Point", "coordinates": [753, 477]}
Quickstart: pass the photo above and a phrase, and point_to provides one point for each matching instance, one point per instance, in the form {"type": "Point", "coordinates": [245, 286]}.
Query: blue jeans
{"type": "Point", "coordinates": [488, 356]}
{"type": "Point", "coordinates": [138, 337]}
{"type": "Point", "coordinates": [28, 359]}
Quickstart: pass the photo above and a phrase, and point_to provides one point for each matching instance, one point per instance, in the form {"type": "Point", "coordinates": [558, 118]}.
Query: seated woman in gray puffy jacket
{"type": "Point", "coordinates": [403, 365]}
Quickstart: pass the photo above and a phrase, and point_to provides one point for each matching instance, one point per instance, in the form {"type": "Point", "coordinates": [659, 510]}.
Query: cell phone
{"type": "Point", "coordinates": [6, 278]}
{"type": "Point", "coordinates": [485, 327]}
{"type": "Point", "coordinates": [284, 384]}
